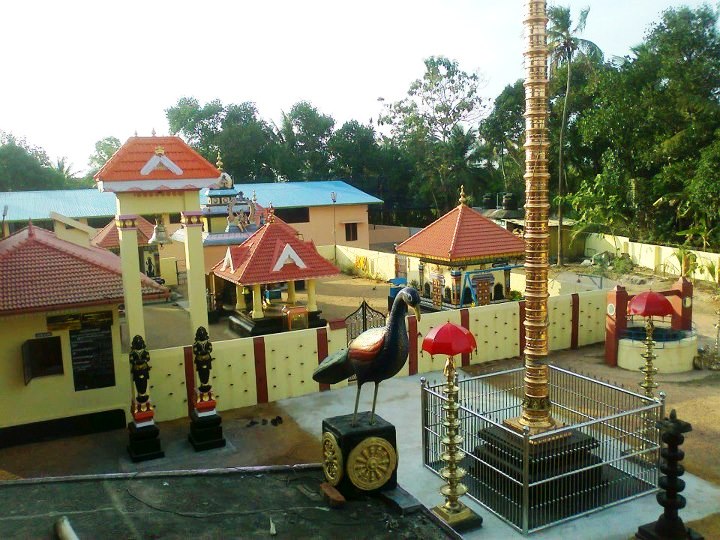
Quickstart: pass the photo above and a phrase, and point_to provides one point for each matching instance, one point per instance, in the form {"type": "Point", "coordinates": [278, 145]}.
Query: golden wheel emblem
{"type": "Point", "coordinates": [371, 463]}
{"type": "Point", "coordinates": [332, 459]}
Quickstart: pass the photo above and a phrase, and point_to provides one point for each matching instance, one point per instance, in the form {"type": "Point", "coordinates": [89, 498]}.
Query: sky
{"type": "Point", "coordinates": [74, 72]}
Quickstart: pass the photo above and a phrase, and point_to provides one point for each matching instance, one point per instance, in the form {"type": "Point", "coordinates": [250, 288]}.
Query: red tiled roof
{"type": "Point", "coordinates": [126, 163]}
{"type": "Point", "coordinates": [109, 238]}
{"type": "Point", "coordinates": [273, 254]}
{"type": "Point", "coordinates": [40, 272]}
{"type": "Point", "coordinates": [462, 236]}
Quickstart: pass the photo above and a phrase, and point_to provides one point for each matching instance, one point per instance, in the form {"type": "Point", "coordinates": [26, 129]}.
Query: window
{"type": "Point", "coordinates": [294, 215]}
{"type": "Point", "coordinates": [351, 232]}
{"type": "Point", "coordinates": [41, 357]}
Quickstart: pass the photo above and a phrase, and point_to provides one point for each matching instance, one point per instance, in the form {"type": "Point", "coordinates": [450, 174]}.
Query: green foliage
{"type": "Point", "coordinates": [24, 167]}
{"type": "Point", "coordinates": [104, 149]}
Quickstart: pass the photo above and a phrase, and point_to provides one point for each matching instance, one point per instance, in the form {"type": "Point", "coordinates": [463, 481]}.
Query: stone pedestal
{"type": "Point", "coordinates": [144, 437]}
{"type": "Point", "coordinates": [205, 427]}
{"type": "Point", "coordinates": [559, 496]}
{"type": "Point", "coordinates": [362, 459]}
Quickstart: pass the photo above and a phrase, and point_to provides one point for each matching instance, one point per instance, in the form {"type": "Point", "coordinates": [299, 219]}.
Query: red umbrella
{"type": "Point", "coordinates": [450, 339]}
{"type": "Point", "coordinates": [649, 304]}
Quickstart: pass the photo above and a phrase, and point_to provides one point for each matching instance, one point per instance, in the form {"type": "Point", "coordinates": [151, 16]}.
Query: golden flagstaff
{"type": "Point", "coordinates": [536, 403]}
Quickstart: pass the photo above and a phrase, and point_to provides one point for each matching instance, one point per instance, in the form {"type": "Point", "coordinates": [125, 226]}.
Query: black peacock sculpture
{"type": "Point", "coordinates": [376, 354]}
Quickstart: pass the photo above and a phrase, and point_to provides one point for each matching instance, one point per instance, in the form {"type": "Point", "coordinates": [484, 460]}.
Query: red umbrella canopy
{"type": "Point", "coordinates": [450, 339]}
{"type": "Point", "coordinates": [649, 304]}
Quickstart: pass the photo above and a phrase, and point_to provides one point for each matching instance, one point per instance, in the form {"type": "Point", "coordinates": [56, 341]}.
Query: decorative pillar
{"type": "Point", "coordinates": [312, 299]}
{"type": "Point", "coordinates": [682, 304]}
{"type": "Point", "coordinates": [240, 304]}
{"type": "Point", "coordinates": [130, 262]}
{"type": "Point", "coordinates": [257, 311]}
{"type": "Point", "coordinates": [421, 278]}
{"type": "Point", "coordinates": [615, 322]}
{"type": "Point", "coordinates": [669, 525]}
{"type": "Point", "coordinates": [536, 402]}
{"type": "Point", "coordinates": [456, 276]}
{"type": "Point", "coordinates": [291, 292]}
{"type": "Point", "coordinates": [195, 267]}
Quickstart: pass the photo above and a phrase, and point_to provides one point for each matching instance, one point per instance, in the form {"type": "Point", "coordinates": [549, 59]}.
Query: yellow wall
{"type": "Point", "coordinates": [71, 234]}
{"type": "Point", "coordinates": [591, 326]}
{"type": "Point", "coordinates": [671, 356]}
{"type": "Point", "coordinates": [659, 259]}
{"type": "Point", "coordinates": [158, 203]}
{"type": "Point", "coordinates": [383, 234]}
{"type": "Point", "coordinates": [53, 396]}
{"type": "Point", "coordinates": [291, 358]}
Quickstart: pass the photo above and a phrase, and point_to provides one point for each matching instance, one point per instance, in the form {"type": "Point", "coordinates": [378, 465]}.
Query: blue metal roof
{"type": "Point", "coordinates": [298, 194]}
{"type": "Point", "coordinates": [74, 203]}
{"type": "Point", "coordinates": [84, 203]}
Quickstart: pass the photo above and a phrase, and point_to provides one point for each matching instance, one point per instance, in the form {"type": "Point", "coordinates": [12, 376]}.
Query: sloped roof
{"type": "Point", "coordinates": [109, 238]}
{"type": "Point", "coordinates": [273, 254]}
{"type": "Point", "coordinates": [462, 236]}
{"type": "Point", "coordinates": [300, 194]}
{"type": "Point", "coordinates": [40, 272]}
{"type": "Point", "coordinates": [149, 159]}
{"type": "Point", "coordinates": [73, 203]}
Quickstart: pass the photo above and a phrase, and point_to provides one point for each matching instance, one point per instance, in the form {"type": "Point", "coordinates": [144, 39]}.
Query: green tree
{"type": "Point", "coordinates": [565, 46]}
{"type": "Point", "coordinates": [436, 109]}
{"type": "Point", "coordinates": [303, 135]}
{"type": "Point", "coordinates": [198, 124]}
{"type": "Point", "coordinates": [24, 167]}
{"type": "Point", "coordinates": [104, 149]}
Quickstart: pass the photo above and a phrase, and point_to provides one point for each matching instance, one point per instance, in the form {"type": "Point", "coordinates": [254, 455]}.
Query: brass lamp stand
{"type": "Point", "coordinates": [453, 512]}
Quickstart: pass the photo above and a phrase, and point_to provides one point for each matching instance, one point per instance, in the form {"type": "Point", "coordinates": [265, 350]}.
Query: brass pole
{"type": "Point", "coordinates": [536, 402]}
{"type": "Point", "coordinates": [648, 384]}
{"type": "Point", "coordinates": [453, 512]}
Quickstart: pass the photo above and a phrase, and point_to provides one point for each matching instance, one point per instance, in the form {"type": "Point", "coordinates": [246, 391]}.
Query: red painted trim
{"type": "Point", "coordinates": [413, 345]}
{"type": "Point", "coordinates": [322, 352]}
{"type": "Point", "coordinates": [337, 324]}
{"type": "Point", "coordinates": [261, 383]}
{"type": "Point", "coordinates": [521, 326]}
{"type": "Point", "coordinates": [575, 330]}
{"type": "Point", "coordinates": [189, 377]}
{"type": "Point", "coordinates": [465, 323]}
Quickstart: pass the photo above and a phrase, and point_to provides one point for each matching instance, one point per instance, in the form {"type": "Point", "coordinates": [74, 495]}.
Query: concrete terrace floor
{"type": "Point", "coordinates": [296, 440]}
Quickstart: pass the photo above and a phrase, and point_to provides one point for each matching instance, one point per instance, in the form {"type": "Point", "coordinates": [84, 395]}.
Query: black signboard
{"type": "Point", "coordinates": [92, 357]}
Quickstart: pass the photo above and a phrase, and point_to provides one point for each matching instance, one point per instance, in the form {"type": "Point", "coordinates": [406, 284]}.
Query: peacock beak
{"type": "Point", "coordinates": [417, 311]}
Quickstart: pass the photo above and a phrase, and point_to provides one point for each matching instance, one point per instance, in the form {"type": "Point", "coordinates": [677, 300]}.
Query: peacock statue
{"type": "Point", "coordinates": [376, 354]}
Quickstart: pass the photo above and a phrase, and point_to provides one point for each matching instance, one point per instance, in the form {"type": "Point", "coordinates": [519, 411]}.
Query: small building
{"type": "Point", "coordinates": [271, 258]}
{"type": "Point", "coordinates": [464, 258]}
{"type": "Point", "coordinates": [109, 238]}
{"type": "Point", "coordinates": [60, 330]}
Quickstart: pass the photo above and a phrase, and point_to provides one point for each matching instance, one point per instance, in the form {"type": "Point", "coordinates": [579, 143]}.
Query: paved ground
{"type": "Point", "coordinates": [295, 440]}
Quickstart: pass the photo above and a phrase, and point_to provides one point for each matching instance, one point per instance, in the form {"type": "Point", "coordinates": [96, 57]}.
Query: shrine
{"type": "Point", "coordinates": [248, 283]}
{"type": "Point", "coordinates": [465, 259]}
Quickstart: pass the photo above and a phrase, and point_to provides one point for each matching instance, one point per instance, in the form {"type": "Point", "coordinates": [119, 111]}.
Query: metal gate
{"type": "Point", "coordinates": [363, 319]}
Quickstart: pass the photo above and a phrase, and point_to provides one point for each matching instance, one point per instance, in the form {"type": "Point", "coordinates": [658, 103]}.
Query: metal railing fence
{"type": "Point", "coordinates": [604, 453]}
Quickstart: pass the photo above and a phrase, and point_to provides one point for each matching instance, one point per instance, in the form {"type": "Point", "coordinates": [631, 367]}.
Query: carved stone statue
{"type": "Point", "coordinates": [140, 371]}
{"type": "Point", "coordinates": [202, 349]}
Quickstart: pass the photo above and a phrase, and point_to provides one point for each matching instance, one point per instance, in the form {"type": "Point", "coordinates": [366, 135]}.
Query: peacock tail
{"type": "Point", "coordinates": [334, 369]}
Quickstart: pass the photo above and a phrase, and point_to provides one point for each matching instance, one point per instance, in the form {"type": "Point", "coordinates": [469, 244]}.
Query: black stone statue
{"type": "Point", "coordinates": [202, 349]}
{"type": "Point", "coordinates": [140, 370]}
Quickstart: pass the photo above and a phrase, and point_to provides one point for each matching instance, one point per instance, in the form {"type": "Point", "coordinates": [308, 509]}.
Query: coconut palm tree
{"type": "Point", "coordinates": [565, 47]}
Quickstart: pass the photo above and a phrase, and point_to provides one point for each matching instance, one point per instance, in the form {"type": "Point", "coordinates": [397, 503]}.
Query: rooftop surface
{"type": "Point", "coordinates": [273, 254]}
{"type": "Point", "coordinates": [463, 235]}
{"type": "Point", "coordinates": [84, 203]}
{"type": "Point", "coordinates": [161, 508]}
{"type": "Point", "coordinates": [41, 272]}
{"type": "Point", "coordinates": [300, 194]}
{"type": "Point", "coordinates": [156, 158]}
